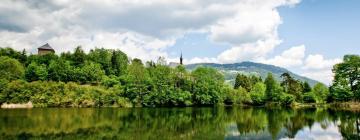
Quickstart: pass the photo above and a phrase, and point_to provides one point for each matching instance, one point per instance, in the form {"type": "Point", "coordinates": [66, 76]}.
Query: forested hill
{"type": "Point", "coordinates": [230, 70]}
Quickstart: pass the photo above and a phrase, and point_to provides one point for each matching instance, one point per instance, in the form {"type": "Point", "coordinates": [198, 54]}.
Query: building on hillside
{"type": "Point", "coordinates": [175, 64]}
{"type": "Point", "coordinates": [45, 49]}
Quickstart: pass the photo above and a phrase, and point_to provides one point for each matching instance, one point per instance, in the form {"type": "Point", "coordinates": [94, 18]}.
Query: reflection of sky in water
{"type": "Point", "coordinates": [316, 132]}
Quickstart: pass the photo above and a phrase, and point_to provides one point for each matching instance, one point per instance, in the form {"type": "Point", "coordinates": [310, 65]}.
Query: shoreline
{"type": "Point", "coordinates": [349, 106]}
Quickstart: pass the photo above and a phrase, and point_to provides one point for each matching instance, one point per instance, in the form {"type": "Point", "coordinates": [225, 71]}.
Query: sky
{"type": "Point", "coordinates": [305, 36]}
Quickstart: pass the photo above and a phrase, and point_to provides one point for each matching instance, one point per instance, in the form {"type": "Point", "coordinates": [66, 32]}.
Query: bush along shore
{"type": "Point", "coordinates": [108, 78]}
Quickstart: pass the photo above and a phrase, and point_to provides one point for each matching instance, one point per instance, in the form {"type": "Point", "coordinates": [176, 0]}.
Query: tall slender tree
{"type": "Point", "coordinates": [270, 86]}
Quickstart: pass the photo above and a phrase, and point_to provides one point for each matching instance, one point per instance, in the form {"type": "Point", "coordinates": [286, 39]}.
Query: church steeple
{"type": "Point", "coordinates": [181, 59]}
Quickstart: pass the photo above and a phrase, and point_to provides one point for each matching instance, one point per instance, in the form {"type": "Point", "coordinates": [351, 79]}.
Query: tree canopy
{"type": "Point", "coordinates": [104, 77]}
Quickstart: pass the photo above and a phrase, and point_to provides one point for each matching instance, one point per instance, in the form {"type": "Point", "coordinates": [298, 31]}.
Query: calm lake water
{"type": "Point", "coordinates": [178, 123]}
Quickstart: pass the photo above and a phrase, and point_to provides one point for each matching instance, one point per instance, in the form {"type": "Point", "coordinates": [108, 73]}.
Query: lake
{"type": "Point", "coordinates": [178, 123]}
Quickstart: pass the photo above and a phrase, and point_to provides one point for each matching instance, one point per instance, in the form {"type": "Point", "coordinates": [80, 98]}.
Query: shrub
{"type": "Point", "coordinates": [110, 81]}
{"type": "Point", "coordinates": [11, 69]}
{"type": "Point", "coordinates": [287, 99]}
{"type": "Point", "coordinates": [257, 94]}
{"type": "Point", "coordinates": [257, 99]}
{"type": "Point", "coordinates": [309, 97]}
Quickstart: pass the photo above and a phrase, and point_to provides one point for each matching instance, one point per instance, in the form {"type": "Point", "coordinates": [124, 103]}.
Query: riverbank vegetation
{"type": "Point", "coordinates": [105, 77]}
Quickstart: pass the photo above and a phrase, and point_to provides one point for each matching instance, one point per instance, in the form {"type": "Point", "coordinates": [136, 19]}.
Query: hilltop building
{"type": "Point", "coordinates": [45, 49]}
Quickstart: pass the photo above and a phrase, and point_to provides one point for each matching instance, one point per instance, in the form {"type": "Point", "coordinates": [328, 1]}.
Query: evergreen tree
{"type": "Point", "coordinates": [291, 86]}
{"type": "Point", "coordinates": [79, 56]}
{"type": "Point", "coordinates": [306, 87]}
{"type": "Point", "coordinates": [119, 62]}
{"type": "Point", "coordinates": [242, 81]}
{"type": "Point", "coordinates": [270, 86]}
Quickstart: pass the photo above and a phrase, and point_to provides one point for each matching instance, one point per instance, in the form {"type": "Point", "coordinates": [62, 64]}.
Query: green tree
{"type": "Point", "coordinates": [36, 72]}
{"type": "Point", "coordinates": [242, 81]}
{"type": "Point", "coordinates": [79, 56]}
{"type": "Point", "coordinates": [207, 85]}
{"type": "Point", "coordinates": [257, 94]}
{"type": "Point", "coordinates": [291, 86]}
{"type": "Point", "coordinates": [119, 62]}
{"type": "Point", "coordinates": [41, 59]}
{"type": "Point", "coordinates": [270, 86]}
{"type": "Point", "coordinates": [137, 81]}
{"type": "Point", "coordinates": [103, 57]}
{"type": "Point", "coordinates": [321, 91]}
{"type": "Point", "coordinates": [306, 87]}
{"type": "Point", "coordinates": [92, 72]}
{"type": "Point", "coordinates": [61, 70]}
{"type": "Point", "coordinates": [347, 75]}
{"type": "Point", "coordinates": [20, 56]}
{"type": "Point", "coordinates": [254, 79]}
{"type": "Point", "coordinates": [10, 68]}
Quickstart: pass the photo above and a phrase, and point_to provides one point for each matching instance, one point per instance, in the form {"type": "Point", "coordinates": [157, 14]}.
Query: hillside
{"type": "Point", "coordinates": [230, 70]}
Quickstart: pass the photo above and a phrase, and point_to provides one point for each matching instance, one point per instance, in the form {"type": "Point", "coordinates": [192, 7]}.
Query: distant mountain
{"type": "Point", "coordinates": [249, 68]}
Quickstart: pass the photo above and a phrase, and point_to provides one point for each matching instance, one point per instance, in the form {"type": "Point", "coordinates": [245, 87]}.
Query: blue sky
{"type": "Point", "coordinates": [330, 27]}
{"type": "Point", "coordinates": [305, 36]}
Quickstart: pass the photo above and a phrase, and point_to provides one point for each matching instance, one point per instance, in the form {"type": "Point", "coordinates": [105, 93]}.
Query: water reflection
{"type": "Point", "coordinates": [178, 123]}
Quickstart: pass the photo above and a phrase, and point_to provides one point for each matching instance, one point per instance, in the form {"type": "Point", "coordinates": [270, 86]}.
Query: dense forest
{"type": "Point", "coordinates": [105, 77]}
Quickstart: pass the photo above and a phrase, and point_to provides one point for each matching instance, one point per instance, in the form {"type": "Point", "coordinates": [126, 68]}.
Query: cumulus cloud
{"type": "Point", "coordinates": [249, 51]}
{"type": "Point", "coordinates": [317, 62]}
{"type": "Point", "coordinates": [201, 60]}
{"type": "Point", "coordinates": [317, 67]}
{"type": "Point", "coordinates": [289, 58]}
{"type": "Point", "coordinates": [142, 28]}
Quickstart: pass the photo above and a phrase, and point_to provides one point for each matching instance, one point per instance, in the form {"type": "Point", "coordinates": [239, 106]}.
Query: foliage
{"type": "Point", "coordinates": [309, 97]}
{"type": "Point", "coordinates": [270, 86]}
{"type": "Point", "coordinates": [105, 77]}
{"type": "Point", "coordinates": [207, 85]}
{"type": "Point", "coordinates": [10, 68]}
{"type": "Point", "coordinates": [321, 92]}
{"type": "Point", "coordinates": [242, 81]}
{"type": "Point", "coordinates": [306, 87]}
{"type": "Point", "coordinates": [110, 81]}
{"type": "Point", "coordinates": [287, 99]}
{"type": "Point", "coordinates": [9, 52]}
{"type": "Point", "coordinates": [347, 78]}
{"type": "Point", "coordinates": [35, 72]}
{"type": "Point", "coordinates": [292, 86]}
{"type": "Point", "coordinates": [54, 94]}
{"type": "Point", "coordinates": [92, 72]}
{"type": "Point", "coordinates": [257, 94]}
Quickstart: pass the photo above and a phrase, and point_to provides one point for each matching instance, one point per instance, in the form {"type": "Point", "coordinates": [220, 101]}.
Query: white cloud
{"type": "Point", "coordinates": [249, 51]}
{"type": "Point", "coordinates": [289, 58]}
{"type": "Point", "coordinates": [324, 76]}
{"type": "Point", "coordinates": [142, 28]}
{"type": "Point", "coordinates": [200, 60]}
{"type": "Point", "coordinates": [316, 67]}
{"type": "Point", "coordinates": [317, 62]}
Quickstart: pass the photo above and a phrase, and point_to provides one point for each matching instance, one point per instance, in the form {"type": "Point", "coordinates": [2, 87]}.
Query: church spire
{"type": "Point", "coordinates": [181, 59]}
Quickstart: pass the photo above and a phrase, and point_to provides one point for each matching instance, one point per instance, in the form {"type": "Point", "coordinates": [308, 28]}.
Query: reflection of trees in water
{"type": "Point", "coordinates": [169, 123]}
{"type": "Point", "coordinates": [349, 123]}
{"type": "Point", "coordinates": [299, 120]}
{"type": "Point", "coordinates": [294, 120]}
